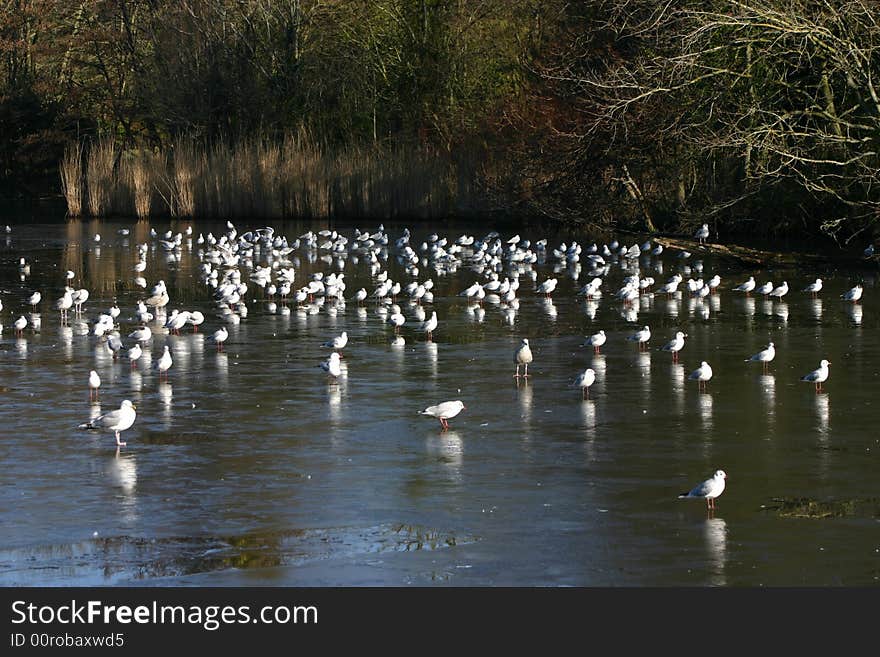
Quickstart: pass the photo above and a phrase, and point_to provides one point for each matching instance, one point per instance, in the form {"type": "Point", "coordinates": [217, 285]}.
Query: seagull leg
{"type": "Point", "coordinates": [516, 376]}
{"type": "Point", "coordinates": [526, 373]}
{"type": "Point", "coordinates": [118, 442]}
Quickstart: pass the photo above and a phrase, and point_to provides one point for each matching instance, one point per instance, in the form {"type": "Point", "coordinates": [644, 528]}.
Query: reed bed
{"type": "Point", "coordinates": [71, 168]}
{"type": "Point", "coordinates": [294, 177]}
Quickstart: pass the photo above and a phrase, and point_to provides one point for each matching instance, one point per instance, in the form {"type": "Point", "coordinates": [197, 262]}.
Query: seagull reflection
{"type": "Point", "coordinates": [678, 386]}
{"type": "Point", "coordinates": [705, 402]}
{"type": "Point", "coordinates": [137, 380]}
{"type": "Point", "coordinates": [629, 314]}
{"type": "Point", "coordinates": [598, 365]}
{"type": "Point", "coordinates": [549, 308]}
{"type": "Point", "coordinates": [768, 391]}
{"type": "Point", "coordinates": [21, 346]}
{"type": "Point", "coordinates": [715, 302]}
{"type": "Point", "coordinates": [334, 404]}
{"type": "Point", "coordinates": [524, 393]}
{"type": "Point", "coordinates": [672, 307]}
{"type": "Point", "coordinates": [781, 311]}
{"type": "Point", "coordinates": [816, 307]}
{"type": "Point", "coordinates": [748, 304]}
{"type": "Point", "coordinates": [448, 449]}
{"type": "Point", "coordinates": [767, 307]}
{"type": "Point", "coordinates": [165, 392]}
{"type": "Point", "coordinates": [643, 363]}
{"type": "Point", "coordinates": [122, 470]}
{"type": "Point", "coordinates": [715, 533]}
{"type": "Point", "coordinates": [822, 416]}
{"type": "Point", "coordinates": [590, 307]}
{"type": "Point", "coordinates": [221, 363]}
{"type": "Point", "coordinates": [431, 350]}
{"type": "Point", "coordinates": [362, 313]}
{"type": "Point", "coordinates": [855, 313]}
{"type": "Point", "coordinates": [65, 336]}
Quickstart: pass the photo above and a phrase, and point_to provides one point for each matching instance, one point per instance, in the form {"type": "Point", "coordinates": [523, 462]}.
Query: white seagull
{"type": "Point", "coordinates": [444, 411]}
{"type": "Point", "coordinates": [165, 362]}
{"type": "Point", "coordinates": [642, 337]}
{"type": "Point", "coordinates": [853, 294]}
{"type": "Point", "coordinates": [746, 287]}
{"type": "Point", "coordinates": [584, 380]}
{"type": "Point", "coordinates": [709, 489]}
{"type": "Point", "coordinates": [116, 421]}
{"type": "Point", "coordinates": [337, 342]}
{"type": "Point", "coordinates": [814, 287]}
{"type": "Point", "coordinates": [702, 375]}
{"type": "Point", "coordinates": [523, 356]}
{"type": "Point", "coordinates": [818, 376]}
{"type": "Point", "coordinates": [596, 341]}
{"type": "Point", "coordinates": [675, 345]}
{"type": "Point", "coordinates": [94, 384]}
{"type": "Point", "coordinates": [764, 356]}
{"type": "Point", "coordinates": [220, 336]}
{"type": "Point", "coordinates": [332, 366]}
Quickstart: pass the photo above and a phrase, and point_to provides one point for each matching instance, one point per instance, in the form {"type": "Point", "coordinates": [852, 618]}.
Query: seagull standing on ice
{"type": "Point", "coordinates": [709, 489]}
{"type": "Point", "coordinates": [780, 291]}
{"type": "Point", "coordinates": [702, 233]}
{"type": "Point", "coordinates": [702, 375]}
{"type": "Point", "coordinates": [814, 287]}
{"type": "Point", "coordinates": [94, 384]}
{"type": "Point", "coordinates": [675, 345]}
{"type": "Point", "coordinates": [642, 337]}
{"type": "Point", "coordinates": [34, 300]}
{"type": "Point", "coordinates": [523, 356]}
{"type": "Point", "coordinates": [220, 336]}
{"type": "Point", "coordinates": [765, 356]}
{"type": "Point", "coordinates": [165, 363]}
{"type": "Point", "coordinates": [746, 287]}
{"type": "Point", "coordinates": [337, 342]}
{"type": "Point", "coordinates": [596, 341]}
{"type": "Point", "coordinates": [853, 294]}
{"type": "Point", "coordinates": [584, 380]}
{"type": "Point", "coordinates": [430, 325]}
{"type": "Point", "coordinates": [332, 366]}
{"type": "Point", "coordinates": [444, 411]}
{"type": "Point", "coordinates": [818, 376]}
{"type": "Point", "coordinates": [116, 421]}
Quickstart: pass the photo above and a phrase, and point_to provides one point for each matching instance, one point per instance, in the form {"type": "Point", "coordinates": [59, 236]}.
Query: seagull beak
{"type": "Point", "coordinates": [134, 407]}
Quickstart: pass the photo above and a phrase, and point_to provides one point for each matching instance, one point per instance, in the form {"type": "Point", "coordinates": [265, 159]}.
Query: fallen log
{"type": "Point", "coordinates": [746, 255]}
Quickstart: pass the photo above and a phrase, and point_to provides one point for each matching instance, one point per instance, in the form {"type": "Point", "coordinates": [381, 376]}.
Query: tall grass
{"type": "Point", "coordinates": [100, 176]}
{"type": "Point", "coordinates": [295, 176]}
{"type": "Point", "coordinates": [71, 178]}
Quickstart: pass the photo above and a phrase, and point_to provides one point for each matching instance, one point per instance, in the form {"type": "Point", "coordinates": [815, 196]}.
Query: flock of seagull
{"type": "Point", "coordinates": [233, 264]}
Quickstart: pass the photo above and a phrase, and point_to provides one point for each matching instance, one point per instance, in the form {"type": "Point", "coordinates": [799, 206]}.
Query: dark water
{"type": "Point", "coordinates": [248, 467]}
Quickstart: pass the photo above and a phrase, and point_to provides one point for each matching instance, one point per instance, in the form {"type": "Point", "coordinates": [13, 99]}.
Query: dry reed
{"type": "Point", "coordinates": [295, 176]}
{"type": "Point", "coordinates": [71, 178]}
{"type": "Point", "coordinates": [100, 176]}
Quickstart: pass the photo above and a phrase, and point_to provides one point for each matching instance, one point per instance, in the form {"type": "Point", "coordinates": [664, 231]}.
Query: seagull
{"type": "Point", "coordinates": [142, 334]}
{"type": "Point", "coordinates": [818, 376]}
{"type": "Point", "coordinates": [523, 356]}
{"type": "Point", "coordinates": [642, 337]}
{"type": "Point", "coordinates": [332, 366]}
{"type": "Point", "coordinates": [765, 289]}
{"type": "Point", "coordinates": [20, 324]}
{"type": "Point", "coordinates": [338, 342]}
{"type": "Point", "coordinates": [220, 336]}
{"type": "Point", "coordinates": [853, 294]}
{"type": "Point", "coordinates": [134, 353]}
{"type": "Point", "coordinates": [702, 233]}
{"type": "Point", "coordinates": [702, 375]}
{"type": "Point", "coordinates": [165, 362]}
{"type": "Point", "coordinates": [675, 345]}
{"type": "Point", "coordinates": [596, 341]}
{"type": "Point", "coordinates": [764, 356]}
{"type": "Point", "coordinates": [64, 304]}
{"type": "Point", "coordinates": [746, 287]}
{"type": "Point", "coordinates": [584, 380]}
{"type": "Point", "coordinates": [444, 411]}
{"type": "Point", "coordinates": [94, 384]}
{"type": "Point", "coordinates": [709, 489]}
{"type": "Point", "coordinates": [430, 325]}
{"type": "Point", "coordinates": [116, 421]}
{"type": "Point", "coordinates": [780, 291]}
{"type": "Point", "coordinates": [195, 318]}
{"type": "Point", "coordinates": [547, 287]}
{"type": "Point", "coordinates": [34, 300]}
{"type": "Point", "coordinates": [815, 287]}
